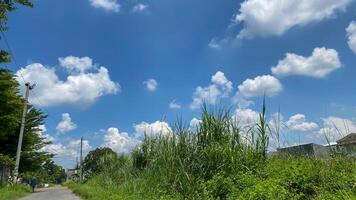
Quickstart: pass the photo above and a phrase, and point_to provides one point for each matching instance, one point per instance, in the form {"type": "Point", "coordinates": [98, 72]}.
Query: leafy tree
{"type": "Point", "coordinates": [95, 162]}
{"type": "Point", "coordinates": [11, 105]}
{"type": "Point", "coordinates": [56, 172]}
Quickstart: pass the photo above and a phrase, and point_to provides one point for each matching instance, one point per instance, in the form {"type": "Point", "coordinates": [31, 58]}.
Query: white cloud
{"type": "Point", "coordinates": [66, 124]}
{"type": "Point", "coordinates": [154, 129]}
{"type": "Point", "coordinates": [81, 89]}
{"type": "Point", "coordinates": [76, 64]}
{"type": "Point", "coordinates": [259, 86]}
{"type": "Point", "coordinates": [245, 117]}
{"type": "Point", "coordinates": [322, 62]}
{"type": "Point", "coordinates": [335, 128]}
{"type": "Point", "coordinates": [274, 17]}
{"type": "Point", "coordinates": [220, 88]}
{"type": "Point", "coordinates": [194, 123]}
{"type": "Point", "coordinates": [140, 7]}
{"type": "Point", "coordinates": [174, 105]}
{"type": "Point", "coordinates": [351, 35]}
{"type": "Point", "coordinates": [42, 133]}
{"type": "Point", "coordinates": [109, 5]}
{"type": "Point", "coordinates": [151, 85]}
{"type": "Point", "coordinates": [120, 142]}
{"type": "Point", "coordinates": [298, 123]}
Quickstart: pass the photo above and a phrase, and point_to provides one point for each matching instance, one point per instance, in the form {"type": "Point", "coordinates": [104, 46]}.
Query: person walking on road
{"type": "Point", "coordinates": [33, 184]}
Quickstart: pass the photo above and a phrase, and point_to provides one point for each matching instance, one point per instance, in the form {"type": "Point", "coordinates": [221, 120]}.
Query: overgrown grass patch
{"type": "Point", "coordinates": [218, 160]}
{"type": "Point", "coordinates": [9, 192]}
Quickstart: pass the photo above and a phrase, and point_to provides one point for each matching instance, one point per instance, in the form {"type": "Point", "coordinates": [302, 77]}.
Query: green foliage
{"type": "Point", "coordinates": [98, 160]}
{"type": "Point", "coordinates": [12, 192]}
{"type": "Point", "coordinates": [11, 105]}
{"type": "Point", "coordinates": [214, 162]}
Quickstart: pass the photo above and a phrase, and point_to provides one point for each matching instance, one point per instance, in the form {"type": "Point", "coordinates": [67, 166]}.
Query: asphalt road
{"type": "Point", "coordinates": [52, 193]}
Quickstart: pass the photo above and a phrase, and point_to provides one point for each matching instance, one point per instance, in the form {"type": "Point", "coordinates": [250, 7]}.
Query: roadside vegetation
{"type": "Point", "coordinates": [12, 192]}
{"type": "Point", "coordinates": [216, 160]}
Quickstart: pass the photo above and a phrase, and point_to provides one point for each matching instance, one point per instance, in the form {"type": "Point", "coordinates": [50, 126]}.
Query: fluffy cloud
{"type": "Point", "coordinates": [109, 5]}
{"type": "Point", "coordinates": [274, 17]}
{"type": "Point", "coordinates": [351, 35]}
{"type": "Point", "coordinates": [335, 128]}
{"type": "Point", "coordinates": [259, 86]}
{"type": "Point", "coordinates": [194, 123]}
{"type": "Point", "coordinates": [81, 89]}
{"type": "Point", "coordinates": [151, 85]}
{"type": "Point", "coordinates": [118, 141]}
{"type": "Point", "coordinates": [322, 62]}
{"type": "Point", "coordinates": [66, 124]}
{"type": "Point", "coordinates": [245, 117]}
{"type": "Point", "coordinates": [154, 129]}
{"type": "Point", "coordinates": [140, 7]}
{"type": "Point", "coordinates": [298, 123]}
{"type": "Point", "coordinates": [174, 105]}
{"type": "Point", "coordinates": [76, 64]}
{"type": "Point", "coordinates": [42, 133]}
{"type": "Point", "coordinates": [220, 87]}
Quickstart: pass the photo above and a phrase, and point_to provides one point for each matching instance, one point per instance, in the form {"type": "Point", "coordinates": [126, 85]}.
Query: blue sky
{"type": "Point", "coordinates": [110, 49]}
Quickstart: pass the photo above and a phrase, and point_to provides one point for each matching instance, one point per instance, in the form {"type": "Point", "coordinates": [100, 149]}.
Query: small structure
{"type": "Point", "coordinates": [306, 150]}
{"type": "Point", "coordinates": [345, 145]}
{"type": "Point", "coordinates": [72, 174]}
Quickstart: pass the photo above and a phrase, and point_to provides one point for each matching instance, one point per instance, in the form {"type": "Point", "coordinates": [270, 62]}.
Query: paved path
{"type": "Point", "coordinates": [52, 193]}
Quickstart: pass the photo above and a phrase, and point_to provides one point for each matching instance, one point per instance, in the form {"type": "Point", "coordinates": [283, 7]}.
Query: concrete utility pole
{"type": "Point", "coordinates": [81, 159]}
{"type": "Point", "coordinates": [23, 121]}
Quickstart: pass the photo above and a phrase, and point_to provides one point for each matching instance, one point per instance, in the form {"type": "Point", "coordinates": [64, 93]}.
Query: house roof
{"type": "Point", "coordinates": [348, 139]}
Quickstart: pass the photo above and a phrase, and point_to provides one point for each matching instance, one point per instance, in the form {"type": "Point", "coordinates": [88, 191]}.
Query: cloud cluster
{"type": "Point", "coordinates": [151, 85]}
{"type": "Point", "coordinates": [108, 5]}
{"type": "Point", "coordinates": [174, 105]}
{"type": "Point", "coordinates": [120, 142]}
{"type": "Point", "coordinates": [262, 18]}
{"type": "Point", "coordinates": [220, 87]}
{"type": "Point", "coordinates": [81, 87]}
{"type": "Point", "coordinates": [298, 123]}
{"type": "Point", "coordinates": [140, 7]}
{"type": "Point", "coordinates": [66, 124]}
{"type": "Point", "coordinates": [245, 117]}
{"type": "Point", "coordinates": [351, 36]}
{"type": "Point", "coordinates": [259, 86]}
{"type": "Point", "coordinates": [157, 128]}
{"type": "Point", "coordinates": [322, 62]}
{"type": "Point", "coordinates": [335, 128]}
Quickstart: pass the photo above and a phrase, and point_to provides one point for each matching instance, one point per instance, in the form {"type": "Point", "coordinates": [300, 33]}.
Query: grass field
{"type": "Point", "coordinates": [13, 192]}
{"type": "Point", "coordinates": [218, 160]}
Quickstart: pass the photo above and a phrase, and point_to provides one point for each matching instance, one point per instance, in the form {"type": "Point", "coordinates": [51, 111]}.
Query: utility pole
{"type": "Point", "coordinates": [23, 121]}
{"type": "Point", "coordinates": [81, 159]}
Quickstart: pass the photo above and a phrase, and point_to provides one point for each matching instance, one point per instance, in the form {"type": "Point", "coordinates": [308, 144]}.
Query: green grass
{"type": "Point", "coordinates": [218, 160]}
{"type": "Point", "coordinates": [10, 192]}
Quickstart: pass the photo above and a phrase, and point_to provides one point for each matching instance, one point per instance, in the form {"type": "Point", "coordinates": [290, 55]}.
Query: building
{"type": "Point", "coordinates": [307, 150]}
{"type": "Point", "coordinates": [345, 145]}
{"type": "Point", "coordinates": [72, 174]}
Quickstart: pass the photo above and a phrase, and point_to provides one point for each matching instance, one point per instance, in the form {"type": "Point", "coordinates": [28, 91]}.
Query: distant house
{"type": "Point", "coordinates": [306, 150]}
{"type": "Point", "coordinates": [346, 145]}
{"type": "Point", "coordinates": [71, 174]}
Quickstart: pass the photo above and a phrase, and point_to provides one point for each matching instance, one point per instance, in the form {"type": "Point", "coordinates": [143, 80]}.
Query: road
{"type": "Point", "coordinates": [52, 193]}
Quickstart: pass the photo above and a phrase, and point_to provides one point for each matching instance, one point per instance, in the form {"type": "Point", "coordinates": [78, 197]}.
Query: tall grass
{"type": "Point", "coordinates": [217, 160]}
{"type": "Point", "coordinates": [9, 192]}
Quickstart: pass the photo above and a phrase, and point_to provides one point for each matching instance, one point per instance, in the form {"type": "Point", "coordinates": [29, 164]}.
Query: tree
{"type": "Point", "coordinates": [97, 160]}
{"type": "Point", "coordinates": [11, 105]}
